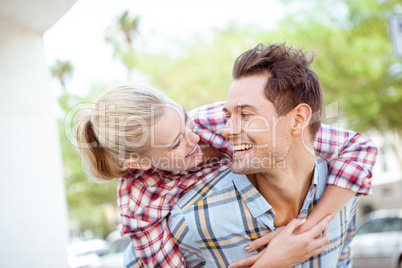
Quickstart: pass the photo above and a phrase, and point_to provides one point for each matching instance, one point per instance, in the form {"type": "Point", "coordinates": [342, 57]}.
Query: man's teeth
{"type": "Point", "coordinates": [242, 147]}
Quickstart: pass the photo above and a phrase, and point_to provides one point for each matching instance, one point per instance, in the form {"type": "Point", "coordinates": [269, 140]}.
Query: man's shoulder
{"type": "Point", "coordinates": [207, 189]}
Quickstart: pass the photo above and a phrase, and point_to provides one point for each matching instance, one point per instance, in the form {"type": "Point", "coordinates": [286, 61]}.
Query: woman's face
{"type": "Point", "coordinates": [173, 146]}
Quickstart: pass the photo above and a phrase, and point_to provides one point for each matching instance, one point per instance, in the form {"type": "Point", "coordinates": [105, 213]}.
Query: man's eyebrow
{"type": "Point", "coordinates": [246, 106]}
{"type": "Point", "coordinates": [241, 107]}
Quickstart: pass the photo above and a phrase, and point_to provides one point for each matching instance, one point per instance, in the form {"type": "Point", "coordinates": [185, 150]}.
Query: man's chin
{"type": "Point", "coordinates": [235, 171]}
{"type": "Point", "coordinates": [241, 170]}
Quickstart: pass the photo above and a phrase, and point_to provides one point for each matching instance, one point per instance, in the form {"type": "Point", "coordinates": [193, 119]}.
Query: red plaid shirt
{"type": "Point", "coordinates": [145, 198]}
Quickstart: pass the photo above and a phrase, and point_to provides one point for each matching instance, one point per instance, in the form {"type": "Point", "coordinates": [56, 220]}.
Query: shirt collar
{"type": "Point", "coordinates": [257, 204]}
{"type": "Point", "coordinates": [319, 178]}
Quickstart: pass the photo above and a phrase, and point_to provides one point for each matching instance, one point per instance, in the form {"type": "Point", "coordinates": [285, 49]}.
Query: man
{"type": "Point", "coordinates": [274, 110]}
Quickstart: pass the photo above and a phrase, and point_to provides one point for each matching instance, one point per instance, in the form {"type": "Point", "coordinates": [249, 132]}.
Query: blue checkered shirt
{"type": "Point", "coordinates": [213, 222]}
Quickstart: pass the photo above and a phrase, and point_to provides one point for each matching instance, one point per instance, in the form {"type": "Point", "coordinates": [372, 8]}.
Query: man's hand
{"type": "Point", "coordinates": [286, 249]}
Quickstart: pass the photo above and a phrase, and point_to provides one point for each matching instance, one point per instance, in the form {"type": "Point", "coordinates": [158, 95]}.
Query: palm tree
{"type": "Point", "coordinates": [62, 70]}
{"type": "Point", "coordinates": [122, 35]}
{"type": "Point", "coordinates": [129, 26]}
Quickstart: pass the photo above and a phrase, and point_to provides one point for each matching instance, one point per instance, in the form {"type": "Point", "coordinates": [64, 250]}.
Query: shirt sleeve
{"type": "Point", "coordinates": [209, 121]}
{"type": "Point", "coordinates": [351, 155]}
{"type": "Point", "coordinates": [145, 200]}
{"type": "Point", "coordinates": [144, 204]}
{"type": "Point", "coordinates": [155, 247]}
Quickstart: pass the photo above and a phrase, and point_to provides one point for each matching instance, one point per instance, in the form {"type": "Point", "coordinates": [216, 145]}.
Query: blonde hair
{"type": "Point", "coordinates": [115, 129]}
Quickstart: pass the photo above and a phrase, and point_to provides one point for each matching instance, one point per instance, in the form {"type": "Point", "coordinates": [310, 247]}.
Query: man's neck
{"type": "Point", "coordinates": [285, 189]}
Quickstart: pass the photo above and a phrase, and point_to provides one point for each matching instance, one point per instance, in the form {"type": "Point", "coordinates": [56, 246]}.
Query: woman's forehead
{"type": "Point", "coordinates": [169, 126]}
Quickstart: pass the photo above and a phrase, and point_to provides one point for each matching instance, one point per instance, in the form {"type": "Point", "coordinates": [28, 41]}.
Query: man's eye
{"type": "Point", "coordinates": [244, 115]}
{"type": "Point", "coordinates": [227, 116]}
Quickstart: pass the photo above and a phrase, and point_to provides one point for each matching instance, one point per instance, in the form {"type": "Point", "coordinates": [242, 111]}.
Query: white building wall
{"type": "Point", "coordinates": [387, 175]}
{"type": "Point", "coordinates": [33, 225]}
{"type": "Point", "coordinates": [388, 168]}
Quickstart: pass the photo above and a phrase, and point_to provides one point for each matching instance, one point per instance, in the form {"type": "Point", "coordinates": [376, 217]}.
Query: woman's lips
{"type": "Point", "coordinates": [193, 152]}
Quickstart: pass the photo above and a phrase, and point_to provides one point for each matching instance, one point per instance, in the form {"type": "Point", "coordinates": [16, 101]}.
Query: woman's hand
{"type": "Point", "coordinates": [256, 244]}
{"type": "Point", "coordinates": [286, 249]}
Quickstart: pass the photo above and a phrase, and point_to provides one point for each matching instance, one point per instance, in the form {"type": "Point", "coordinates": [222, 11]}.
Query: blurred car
{"type": "Point", "coordinates": [378, 241]}
{"type": "Point", "coordinates": [82, 253]}
{"type": "Point", "coordinates": [114, 257]}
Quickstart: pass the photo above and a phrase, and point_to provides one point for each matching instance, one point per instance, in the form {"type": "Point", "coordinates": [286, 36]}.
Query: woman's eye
{"type": "Point", "coordinates": [245, 115]}
{"type": "Point", "coordinates": [177, 144]}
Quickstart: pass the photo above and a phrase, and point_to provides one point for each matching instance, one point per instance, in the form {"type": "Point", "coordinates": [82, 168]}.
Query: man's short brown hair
{"type": "Point", "coordinates": [290, 81]}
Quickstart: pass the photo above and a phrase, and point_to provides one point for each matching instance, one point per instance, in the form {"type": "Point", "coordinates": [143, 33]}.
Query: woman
{"type": "Point", "coordinates": [140, 135]}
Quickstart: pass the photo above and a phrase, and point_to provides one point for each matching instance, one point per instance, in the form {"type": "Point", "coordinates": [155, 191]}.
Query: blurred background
{"type": "Point", "coordinates": [56, 55]}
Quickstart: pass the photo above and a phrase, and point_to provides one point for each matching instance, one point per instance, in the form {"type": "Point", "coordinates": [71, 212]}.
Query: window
{"type": "Point", "coordinates": [118, 246]}
{"type": "Point", "coordinates": [380, 226]}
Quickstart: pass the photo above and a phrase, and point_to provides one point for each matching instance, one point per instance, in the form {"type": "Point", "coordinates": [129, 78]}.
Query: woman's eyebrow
{"type": "Point", "coordinates": [185, 114]}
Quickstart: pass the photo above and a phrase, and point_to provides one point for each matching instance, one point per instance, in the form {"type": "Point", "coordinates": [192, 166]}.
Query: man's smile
{"type": "Point", "coordinates": [241, 149]}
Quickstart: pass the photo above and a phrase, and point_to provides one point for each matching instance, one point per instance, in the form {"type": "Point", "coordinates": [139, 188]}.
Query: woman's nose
{"type": "Point", "coordinates": [193, 138]}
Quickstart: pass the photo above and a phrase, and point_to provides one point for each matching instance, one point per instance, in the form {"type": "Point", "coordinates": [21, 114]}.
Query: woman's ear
{"type": "Point", "coordinates": [138, 164]}
{"type": "Point", "coordinates": [301, 116]}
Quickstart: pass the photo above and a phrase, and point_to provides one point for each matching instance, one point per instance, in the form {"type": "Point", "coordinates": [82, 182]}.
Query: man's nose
{"type": "Point", "coordinates": [231, 128]}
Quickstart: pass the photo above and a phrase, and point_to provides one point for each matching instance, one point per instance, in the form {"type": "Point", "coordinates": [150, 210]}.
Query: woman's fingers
{"type": "Point", "coordinates": [247, 261]}
{"type": "Point", "coordinates": [299, 247]}
{"type": "Point", "coordinates": [317, 251]}
{"type": "Point", "coordinates": [294, 224]}
{"type": "Point", "coordinates": [319, 227]}
{"type": "Point", "coordinates": [321, 241]}
{"type": "Point", "coordinates": [262, 241]}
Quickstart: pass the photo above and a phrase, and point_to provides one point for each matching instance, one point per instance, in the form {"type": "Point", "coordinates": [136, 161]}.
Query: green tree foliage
{"type": "Point", "coordinates": [201, 74]}
{"type": "Point", "coordinates": [354, 60]}
{"type": "Point", "coordinates": [87, 201]}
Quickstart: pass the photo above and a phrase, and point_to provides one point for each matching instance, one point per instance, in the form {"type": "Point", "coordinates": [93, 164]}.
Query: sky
{"type": "Point", "coordinates": [79, 35]}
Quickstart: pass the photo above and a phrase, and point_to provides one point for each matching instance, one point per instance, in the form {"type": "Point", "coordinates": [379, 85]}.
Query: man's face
{"type": "Point", "coordinates": [259, 138]}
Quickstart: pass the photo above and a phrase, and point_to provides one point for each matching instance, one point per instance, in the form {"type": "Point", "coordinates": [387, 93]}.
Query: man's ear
{"type": "Point", "coordinates": [138, 164]}
{"type": "Point", "coordinates": [301, 116]}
